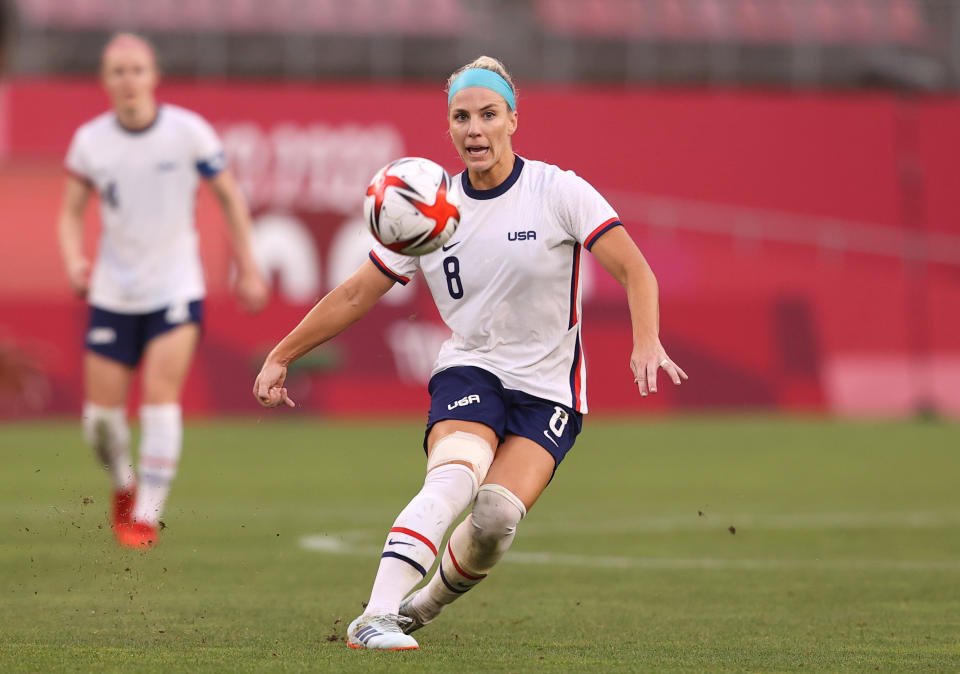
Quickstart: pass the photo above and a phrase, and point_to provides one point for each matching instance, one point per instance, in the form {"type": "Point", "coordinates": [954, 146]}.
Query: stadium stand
{"type": "Point", "coordinates": [835, 43]}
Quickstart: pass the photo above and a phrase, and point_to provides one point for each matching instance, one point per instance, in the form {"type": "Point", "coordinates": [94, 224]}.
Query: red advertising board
{"type": "Point", "coordinates": [807, 246]}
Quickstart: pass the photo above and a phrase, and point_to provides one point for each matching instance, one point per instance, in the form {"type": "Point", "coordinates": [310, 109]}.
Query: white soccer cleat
{"type": "Point", "coordinates": [414, 619]}
{"type": "Point", "coordinates": [380, 632]}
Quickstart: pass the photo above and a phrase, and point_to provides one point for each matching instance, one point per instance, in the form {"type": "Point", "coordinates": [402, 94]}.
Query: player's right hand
{"type": "Point", "coordinates": [268, 388]}
{"type": "Point", "coordinates": [253, 291]}
{"type": "Point", "coordinates": [647, 359]}
{"type": "Point", "coordinates": [78, 273]}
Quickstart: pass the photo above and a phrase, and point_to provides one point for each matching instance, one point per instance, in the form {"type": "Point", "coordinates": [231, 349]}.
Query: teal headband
{"type": "Point", "coordinates": [481, 77]}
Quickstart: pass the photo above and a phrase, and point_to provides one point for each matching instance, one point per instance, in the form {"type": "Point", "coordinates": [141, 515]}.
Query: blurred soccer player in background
{"type": "Point", "coordinates": [146, 289]}
{"type": "Point", "coordinates": [508, 390]}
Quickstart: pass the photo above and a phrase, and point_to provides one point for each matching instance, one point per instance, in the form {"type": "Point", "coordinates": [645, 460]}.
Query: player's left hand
{"type": "Point", "coordinates": [645, 362]}
{"type": "Point", "coordinates": [253, 291]}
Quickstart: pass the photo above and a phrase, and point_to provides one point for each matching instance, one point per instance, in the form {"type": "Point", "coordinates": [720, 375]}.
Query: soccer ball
{"type": "Point", "coordinates": [410, 207]}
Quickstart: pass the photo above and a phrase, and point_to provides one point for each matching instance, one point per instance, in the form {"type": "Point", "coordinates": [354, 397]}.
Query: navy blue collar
{"type": "Point", "coordinates": [493, 192]}
{"type": "Point", "coordinates": [137, 132]}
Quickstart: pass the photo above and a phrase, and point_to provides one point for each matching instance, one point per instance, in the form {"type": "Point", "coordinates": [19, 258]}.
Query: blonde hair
{"type": "Point", "coordinates": [486, 63]}
{"type": "Point", "coordinates": [126, 39]}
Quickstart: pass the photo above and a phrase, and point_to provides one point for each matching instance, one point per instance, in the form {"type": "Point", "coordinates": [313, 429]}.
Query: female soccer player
{"type": "Point", "coordinates": [146, 289]}
{"type": "Point", "coordinates": [509, 386]}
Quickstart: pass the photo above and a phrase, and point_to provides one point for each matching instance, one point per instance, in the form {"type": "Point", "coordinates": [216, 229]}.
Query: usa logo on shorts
{"type": "Point", "coordinates": [177, 313]}
{"type": "Point", "coordinates": [464, 401]}
{"type": "Point", "coordinates": [101, 335]}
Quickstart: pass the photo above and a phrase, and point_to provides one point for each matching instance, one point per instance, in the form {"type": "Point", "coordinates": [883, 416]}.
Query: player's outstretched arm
{"type": "Point", "coordinates": [76, 193]}
{"type": "Point", "coordinates": [620, 256]}
{"type": "Point", "coordinates": [251, 287]}
{"type": "Point", "coordinates": [342, 306]}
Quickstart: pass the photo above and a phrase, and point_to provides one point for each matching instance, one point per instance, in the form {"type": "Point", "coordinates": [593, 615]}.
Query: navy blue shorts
{"type": "Point", "coordinates": [123, 337]}
{"type": "Point", "coordinates": [472, 394]}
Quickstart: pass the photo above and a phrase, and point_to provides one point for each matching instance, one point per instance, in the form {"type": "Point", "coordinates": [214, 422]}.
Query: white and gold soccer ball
{"type": "Point", "coordinates": [410, 207]}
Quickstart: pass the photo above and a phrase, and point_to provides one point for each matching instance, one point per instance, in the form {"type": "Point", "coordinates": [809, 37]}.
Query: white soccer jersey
{"type": "Point", "coordinates": [148, 255]}
{"type": "Point", "coordinates": [508, 283]}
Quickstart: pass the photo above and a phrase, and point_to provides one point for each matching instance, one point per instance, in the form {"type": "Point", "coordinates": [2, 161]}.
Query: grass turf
{"type": "Point", "coordinates": [688, 544]}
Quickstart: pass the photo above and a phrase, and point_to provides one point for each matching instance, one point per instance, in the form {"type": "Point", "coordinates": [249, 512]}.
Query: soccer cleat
{"type": "Point", "coordinates": [137, 535]}
{"type": "Point", "coordinates": [123, 500]}
{"type": "Point", "coordinates": [415, 619]}
{"type": "Point", "coordinates": [380, 632]}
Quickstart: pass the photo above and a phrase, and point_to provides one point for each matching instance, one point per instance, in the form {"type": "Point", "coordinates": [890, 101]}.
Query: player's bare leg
{"type": "Point", "coordinates": [519, 474]}
{"type": "Point", "coordinates": [166, 362]}
{"type": "Point", "coordinates": [459, 455]}
{"type": "Point", "coordinates": [105, 428]}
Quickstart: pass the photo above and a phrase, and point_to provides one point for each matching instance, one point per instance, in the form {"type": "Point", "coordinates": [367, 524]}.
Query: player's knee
{"type": "Point", "coordinates": [464, 447]}
{"type": "Point", "coordinates": [495, 516]}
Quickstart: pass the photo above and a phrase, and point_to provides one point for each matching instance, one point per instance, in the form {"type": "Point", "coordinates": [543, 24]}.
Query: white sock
{"type": "Point", "coordinates": [161, 440]}
{"type": "Point", "coordinates": [105, 429]}
{"type": "Point", "coordinates": [475, 546]}
{"type": "Point", "coordinates": [411, 545]}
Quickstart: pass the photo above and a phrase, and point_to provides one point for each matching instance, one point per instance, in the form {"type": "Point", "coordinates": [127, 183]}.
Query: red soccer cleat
{"type": "Point", "coordinates": [123, 500]}
{"type": "Point", "coordinates": [137, 535]}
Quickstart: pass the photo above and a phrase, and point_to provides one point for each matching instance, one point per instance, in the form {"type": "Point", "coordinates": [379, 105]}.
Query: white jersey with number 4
{"type": "Point", "coordinates": [508, 282]}
{"type": "Point", "coordinates": [148, 256]}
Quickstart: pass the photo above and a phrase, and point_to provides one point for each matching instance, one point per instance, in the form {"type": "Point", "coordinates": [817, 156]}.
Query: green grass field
{"type": "Point", "coordinates": [845, 556]}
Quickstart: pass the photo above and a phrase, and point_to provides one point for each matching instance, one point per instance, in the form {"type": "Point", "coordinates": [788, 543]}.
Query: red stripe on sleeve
{"type": "Point", "coordinates": [590, 240]}
{"type": "Point", "coordinates": [392, 274]}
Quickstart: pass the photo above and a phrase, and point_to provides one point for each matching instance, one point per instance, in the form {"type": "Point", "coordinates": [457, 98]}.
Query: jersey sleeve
{"type": "Point", "coordinates": [76, 162]}
{"type": "Point", "coordinates": [584, 213]}
{"type": "Point", "coordinates": [400, 268]}
{"type": "Point", "coordinates": [207, 149]}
